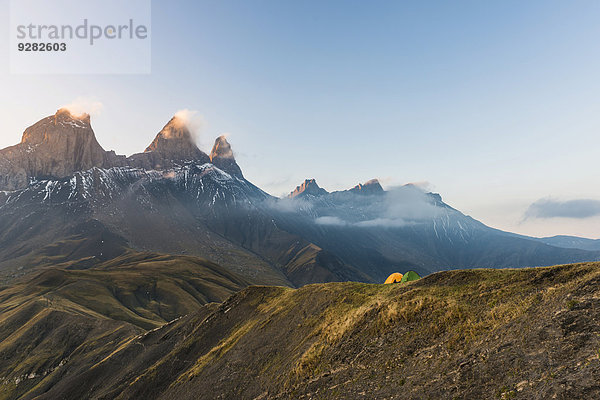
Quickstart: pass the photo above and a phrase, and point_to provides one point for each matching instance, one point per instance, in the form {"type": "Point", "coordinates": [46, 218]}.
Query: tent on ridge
{"type": "Point", "coordinates": [410, 276]}
{"type": "Point", "coordinates": [396, 277]}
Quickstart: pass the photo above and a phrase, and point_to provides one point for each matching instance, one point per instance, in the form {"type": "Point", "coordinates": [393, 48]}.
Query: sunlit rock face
{"type": "Point", "coordinates": [173, 145]}
{"type": "Point", "coordinates": [175, 142]}
{"type": "Point", "coordinates": [56, 146]}
{"type": "Point", "coordinates": [222, 157]}
{"type": "Point", "coordinates": [308, 188]}
{"type": "Point", "coordinates": [64, 143]}
{"type": "Point", "coordinates": [370, 187]}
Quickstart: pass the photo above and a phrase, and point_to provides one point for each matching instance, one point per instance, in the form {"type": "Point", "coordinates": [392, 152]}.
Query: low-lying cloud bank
{"type": "Point", "coordinates": [286, 205]}
{"type": "Point", "coordinates": [399, 207]}
{"type": "Point", "coordinates": [549, 208]}
{"type": "Point", "coordinates": [331, 221]}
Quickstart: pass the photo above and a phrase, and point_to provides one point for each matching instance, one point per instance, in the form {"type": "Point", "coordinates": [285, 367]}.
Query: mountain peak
{"type": "Point", "coordinates": [222, 157]}
{"type": "Point", "coordinates": [174, 133]}
{"type": "Point", "coordinates": [370, 187]}
{"type": "Point", "coordinates": [221, 149]}
{"type": "Point", "coordinates": [55, 146]}
{"type": "Point", "coordinates": [308, 187]}
{"type": "Point", "coordinates": [60, 126]}
{"type": "Point", "coordinates": [175, 143]}
{"type": "Point", "coordinates": [64, 114]}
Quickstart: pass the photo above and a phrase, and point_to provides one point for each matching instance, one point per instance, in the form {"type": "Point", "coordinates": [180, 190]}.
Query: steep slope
{"type": "Point", "coordinates": [526, 333]}
{"type": "Point", "coordinates": [195, 209]}
{"type": "Point", "coordinates": [108, 211]}
{"type": "Point", "coordinates": [60, 313]}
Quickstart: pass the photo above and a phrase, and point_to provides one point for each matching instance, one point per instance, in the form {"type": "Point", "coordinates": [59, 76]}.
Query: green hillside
{"type": "Point", "coordinates": [55, 316]}
{"type": "Point", "coordinates": [517, 333]}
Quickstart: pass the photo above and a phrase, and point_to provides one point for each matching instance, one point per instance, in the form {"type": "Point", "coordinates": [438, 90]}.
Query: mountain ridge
{"type": "Point", "coordinates": [60, 145]}
{"type": "Point", "coordinates": [182, 204]}
{"type": "Point", "coordinates": [307, 188]}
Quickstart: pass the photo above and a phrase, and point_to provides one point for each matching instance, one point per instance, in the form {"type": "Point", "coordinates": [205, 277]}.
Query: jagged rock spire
{"type": "Point", "coordinates": [308, 187]}
{"type": "Point", "coordinates": [222, 157]}
{"type": "Point", "coordinates": [176, 143]}
{"type": "Point", "coordinates": [370, 187]}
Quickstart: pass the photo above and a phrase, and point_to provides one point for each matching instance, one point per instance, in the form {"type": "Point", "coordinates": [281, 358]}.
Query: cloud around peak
{"type": "Point", "coordinates": [84, 105]}
{"type": "Point", "coordinates": [190, 119]}
{"type": "Point", "coordinates": [399, 207]}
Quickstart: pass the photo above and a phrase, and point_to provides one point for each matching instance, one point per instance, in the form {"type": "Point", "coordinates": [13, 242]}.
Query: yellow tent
{"type": "Point", "coordinates": [396, 277]}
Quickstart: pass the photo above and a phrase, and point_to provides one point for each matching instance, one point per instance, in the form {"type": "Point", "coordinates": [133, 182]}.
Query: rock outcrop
{"type": "Point", "coordinates": [308, 187]}
{"type": "Point", "coordinates": [370, 187]}
{"type": "Point", "coordinates": [222, 157]}
{"type": "Point", "coordinates": [56, 146]}
{"type": "Point", "coordinates": [62, 144]}
{"type": "Point", "coordinates": [173, 145]}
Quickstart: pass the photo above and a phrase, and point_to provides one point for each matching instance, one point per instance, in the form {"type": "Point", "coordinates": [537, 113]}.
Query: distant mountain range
{"type": "Point", "coordinates": [66, 201]}
{"type": "Point", "coordinates": [572, 242]}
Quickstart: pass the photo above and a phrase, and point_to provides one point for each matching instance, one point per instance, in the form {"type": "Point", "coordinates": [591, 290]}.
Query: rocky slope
{"type": "Point", "coordinates": [519, 334]}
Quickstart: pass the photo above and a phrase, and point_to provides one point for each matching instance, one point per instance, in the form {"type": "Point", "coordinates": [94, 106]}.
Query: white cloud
{"type": "Point", "coordinates": [400, 206]}
{"type": "Point", "coordinates": [85, 105]}
{"type": "Point", "coordinates": [194, 122]}
{"type": "Point", "coordinates": [550, 208]}
{"type": "Point", "coordinates": [333, 221]}
{"type": "Point", "coordinates": [287, 205]}
{"type": "Point", "coordinates": [384, 222]}
{"type": "Point", "coordinates": [409, 203]}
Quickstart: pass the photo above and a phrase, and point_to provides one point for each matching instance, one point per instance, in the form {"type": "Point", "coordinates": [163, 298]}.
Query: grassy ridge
{"type": "Point", "coordinates": [523, 333]}
{"type": "Point", "coordinates": [57, 315]}
{"type": "Point", "coordinates": [144, 289]}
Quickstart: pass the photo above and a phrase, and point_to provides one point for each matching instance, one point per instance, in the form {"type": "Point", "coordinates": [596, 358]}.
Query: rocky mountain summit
{"type": "Point", "coordinates": [222, 157]}
{"type": "Point", "coordinates": [370, 187]}
{"type": "Point", "coordinates": [56, 146]}
{"type": "Point", "coordinates": [64, 143]}
{"type": "Point", "coordinates": [308, 188]}
{"type": "Point", "coordinates": [173, 145]}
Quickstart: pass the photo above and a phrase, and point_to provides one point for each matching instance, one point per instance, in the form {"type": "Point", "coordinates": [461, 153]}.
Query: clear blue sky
{"type": "Point", "coordinates": [495, 103]}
